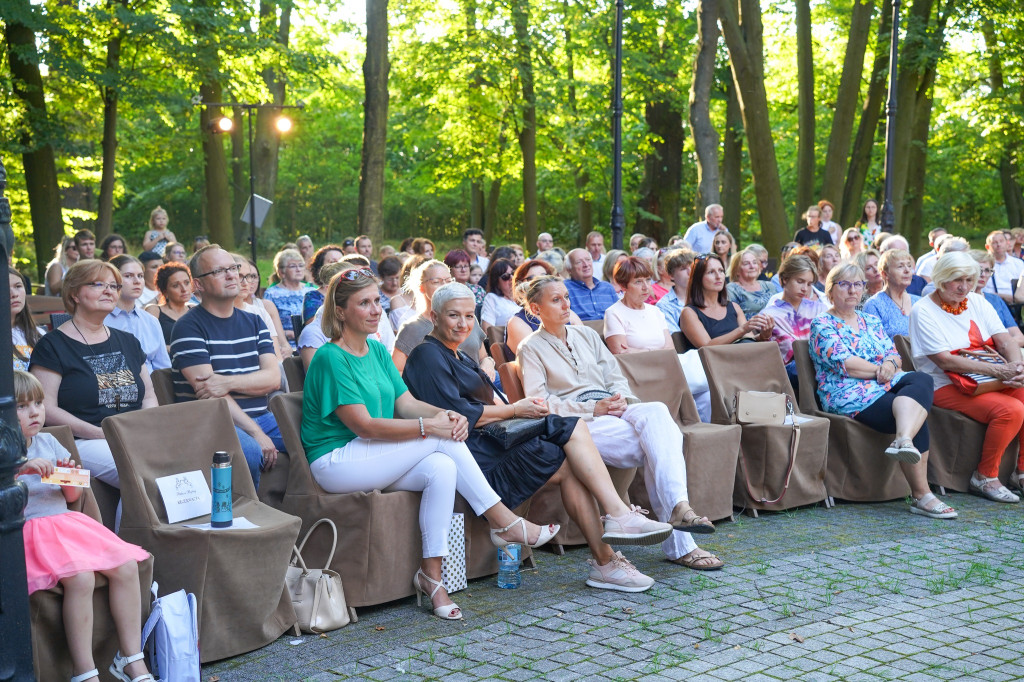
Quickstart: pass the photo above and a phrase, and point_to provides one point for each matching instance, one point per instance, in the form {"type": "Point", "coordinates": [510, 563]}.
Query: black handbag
{"type": "Point", "coordinates": [512, 432]}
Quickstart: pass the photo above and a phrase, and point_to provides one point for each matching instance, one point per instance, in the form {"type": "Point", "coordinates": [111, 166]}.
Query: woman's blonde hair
{"type": "Point", "coordinates": [286, 256]}
{"type": "Point", "coordinates": [608, 265]}
{"type": "Point", "coordinates": [794, 265]}
{"type": "Point", "coordinates": [26, 387]}
{"type": "Point", "coordinates": [340, 290]}
{"type": "Point", "coordinates": [954, 265]}
{"type": "Point", "coordinates": [892, 257]}
{"type": "Point", "coordinates": [861, 259]}
{"type": "Point", "coordinates": [982, 257]}
{"type": "Point", "coordinates": [81, 273]}
{"type": "Point", "coordinates": [414, 285]}
{"type": "Point", "coordinates": [533, 289]}
{"type": "Point", "coordinates": [736, 261]}
{"type": "Point", "coordinates": [845, 270]}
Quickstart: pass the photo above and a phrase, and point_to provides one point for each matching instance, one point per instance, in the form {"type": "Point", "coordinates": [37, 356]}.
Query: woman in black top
{"type": "Point", "coordinates": [175, 284]}
{"type": "Point", "coordinates": [710, 318]}
{"type": "Point", "coordinates": [88, 370]}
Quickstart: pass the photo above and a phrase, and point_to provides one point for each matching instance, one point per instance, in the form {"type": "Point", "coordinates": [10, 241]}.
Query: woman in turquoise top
{"type": "Point", "coordinates": [363, 430]}
{"type": "Point", "coordinates": [858, 373]}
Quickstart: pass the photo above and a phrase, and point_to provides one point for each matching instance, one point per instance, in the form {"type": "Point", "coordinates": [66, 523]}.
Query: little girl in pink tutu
{"type": "Point", "coordinates": [67, 547]}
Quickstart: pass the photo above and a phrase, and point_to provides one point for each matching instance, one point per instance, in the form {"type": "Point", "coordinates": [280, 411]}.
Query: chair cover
{"type": "Point", "coordinates": [765, 447]}
{"type": "Point", "coordinates": [495, 334]}
{"type": "Point", "coordinates": [50, 654]}
{"type": "Point", "coordinates": [163, 386]}
{"type": "Point", "coordinates": [106, 497]}
{"type": "Point", "coordinates": [294, 372]}
{"type": "Point", "coordinates": [379, 539]}
{"type": "Point", "coordinates": [858, 469]}
{"type": "Point", "coordinates": [511, 382]}
{"type": "Point", "coordinates": [237, 575]}
{"type": "Point", "coordinates": [596, 325]}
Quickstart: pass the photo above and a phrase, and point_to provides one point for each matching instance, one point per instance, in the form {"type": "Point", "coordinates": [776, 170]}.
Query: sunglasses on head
{"type": "Point", "coordinates": [353, 275]}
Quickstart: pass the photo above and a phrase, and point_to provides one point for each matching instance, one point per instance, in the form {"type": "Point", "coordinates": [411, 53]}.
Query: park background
{"type": "Point", "coordinates": [498, 116]}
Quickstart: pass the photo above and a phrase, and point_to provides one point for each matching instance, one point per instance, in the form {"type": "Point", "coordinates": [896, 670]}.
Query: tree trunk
{"type": "Point", "coordinates": [705, 137]}
{"type": "Point", "coordinates": [1012, 198]}
{"type": "Point", "coordinates": [218, 194]}
{"type": "Point", "coordinates": [528, 131]}
{"type": "Point", "coordinates": [805, 158]}
{"type": "Point", "coordinates": [375, 121]}
{"type": "Point", "coordinates": [38, 158]}
{"type": "Point", "coordinates": [913, 215]}
{"type": "Point", "coordinates": [732, 162]}
{"type": "Point", "coordinates": [584, 208]}
{"type": "Point", "coordinates": [846, 104]}
{"type": "Point", "coordinates": [746, 57]}
{"type": "Point", "coordinates": [860, 158]}
{"type": "Point", "coordinates": [267, 139]}
{"type": "Point", "coordinates": [658, 214]}
{"type": "Point", "coordinates": [491, 214]}
{"type": "Point", "coordinates": [108, 175]}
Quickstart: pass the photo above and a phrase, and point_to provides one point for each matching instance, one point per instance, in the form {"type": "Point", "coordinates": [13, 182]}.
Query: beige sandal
{"type": "Point", "coordinates": [685, 519]}
{"type": "Point", "coordinates": [700, 562]}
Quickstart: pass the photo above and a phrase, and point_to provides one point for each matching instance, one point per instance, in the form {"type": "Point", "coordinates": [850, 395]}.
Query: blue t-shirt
{"type": "Point", "coordinates": [230, 345]}
{"type": "Point", "coordinates": [590, 304]}
{"type": "Point", "coordinates": [1002, 310]}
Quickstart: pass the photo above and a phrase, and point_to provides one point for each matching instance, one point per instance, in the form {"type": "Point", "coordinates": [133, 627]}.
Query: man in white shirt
{"type": "Point", "coordinates": [595, 245]}
{"type": "Point", "coordinates": [927, 261]}
{"type": "Point", "coordinates": [1007, 269]}
{"type": "Point", "coordinates": [151, 262]}
{"type": "Point", "coordinates": [474, 245]}
{"type": "Point", "coordinates": [701, 235]}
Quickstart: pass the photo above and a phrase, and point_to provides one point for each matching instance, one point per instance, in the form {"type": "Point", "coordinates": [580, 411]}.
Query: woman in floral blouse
{"type": "Point", "coordinates": [858, 373]}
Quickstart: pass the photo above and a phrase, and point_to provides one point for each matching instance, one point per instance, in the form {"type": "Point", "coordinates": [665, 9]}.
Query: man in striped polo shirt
{"type": "Point", "coordinates": [220, 351]}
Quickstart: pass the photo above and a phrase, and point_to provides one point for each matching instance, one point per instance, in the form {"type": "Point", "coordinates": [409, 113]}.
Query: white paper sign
{"type": "Point", "coordinates": [185, 495]}
{"type": "Point", "coordinates": [239, 523]}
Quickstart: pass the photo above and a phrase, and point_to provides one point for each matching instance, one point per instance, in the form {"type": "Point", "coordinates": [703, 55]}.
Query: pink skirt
{"type": "Point", "coordinates": [65, 544]}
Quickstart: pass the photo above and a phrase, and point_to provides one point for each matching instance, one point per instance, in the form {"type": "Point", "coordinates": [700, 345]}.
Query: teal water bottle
{"type": "Point", "coordinates": [220, 477]}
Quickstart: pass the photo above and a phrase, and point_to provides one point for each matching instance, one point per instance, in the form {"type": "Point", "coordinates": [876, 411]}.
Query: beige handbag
{"type": "Point", "coordinates": [317, 594]}
{"type": "Point", "coordinates": [769, 408]}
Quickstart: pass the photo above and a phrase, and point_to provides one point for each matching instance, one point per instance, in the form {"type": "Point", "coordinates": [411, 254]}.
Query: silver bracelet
{"type": "Point", "coordinates": [423, 434]}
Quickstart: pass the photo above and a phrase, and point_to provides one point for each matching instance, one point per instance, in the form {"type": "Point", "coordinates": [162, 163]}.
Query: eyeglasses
{"type": "Point", "coordinates": [460, 266]}
{"type": "Point", "coordinates": [851, 286]}
{"type": "Point", "coordinates": [986, 271]}
{"type": "Point", "coordinates": [100, 286]}
{"type": "Point", "coordinates": [295, 266]}
{"type": "Point", "coordinates": [353, 275]}
{"type": "Point", "coordinates": [505, 276]}
{"type": "Point", "coordinates": [220, 272]}
{"type": "Point", "coordinates": [250, 278]}
{"type": "Point", "coordinates": [855, 238]}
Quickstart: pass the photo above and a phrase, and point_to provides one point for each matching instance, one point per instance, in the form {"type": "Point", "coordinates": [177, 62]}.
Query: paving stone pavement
{"type": "Point", "coordinates": [856, 592]}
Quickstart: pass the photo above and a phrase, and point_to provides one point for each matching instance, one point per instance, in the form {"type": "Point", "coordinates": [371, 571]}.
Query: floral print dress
{"type": "Point", "coordinates": [832, 341]}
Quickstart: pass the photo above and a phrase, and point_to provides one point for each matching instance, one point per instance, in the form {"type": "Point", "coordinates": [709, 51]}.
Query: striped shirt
{"type": "Point", "coordinates": [230, 345]}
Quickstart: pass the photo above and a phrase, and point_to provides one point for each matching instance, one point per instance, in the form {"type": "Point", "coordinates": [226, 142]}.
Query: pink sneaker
{"type": "Point", "coordinates": [634, 528]}
{"type": "Point", "coordinates": [618, 574]}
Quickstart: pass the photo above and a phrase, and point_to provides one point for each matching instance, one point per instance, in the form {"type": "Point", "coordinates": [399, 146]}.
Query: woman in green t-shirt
{"type": "Point", "coordinates": [363, 430]}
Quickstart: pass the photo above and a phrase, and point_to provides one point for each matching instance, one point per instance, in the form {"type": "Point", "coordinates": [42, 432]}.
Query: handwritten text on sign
{"type": "Point", "coordinates": [185, 495]}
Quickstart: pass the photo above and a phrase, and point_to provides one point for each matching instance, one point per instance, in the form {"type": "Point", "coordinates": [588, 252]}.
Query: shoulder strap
{"type": "Point", "coordinates": [794, 444]}
{"type": "Point", "coordinates": [334, 542]}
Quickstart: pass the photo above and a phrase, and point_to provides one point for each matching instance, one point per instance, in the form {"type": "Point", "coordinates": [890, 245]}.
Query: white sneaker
{"type": "Point", "coordinates": [634, 528]}
{"type": "Point", "coordinates": [618, 574]}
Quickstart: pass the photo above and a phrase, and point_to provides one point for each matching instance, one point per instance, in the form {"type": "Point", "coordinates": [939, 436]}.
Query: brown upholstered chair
{"type": "Point", "coordinates": [50, 654]}
{"type": "Point", "coordinates": [294, 373]}
{"type": "Point", "coordinates": [711, 451]}
{"type": "Point", "coordinates": [378, 532]}
{"type": "Point", "coordinates": [501, 354]}
{"type": "Point", "coordinates": [105, 495]}
{"type": "Point", "coordinates": [857, 469]}
{"type": "Point", "coordinates": [765, 447]}
{"type": "Point", "coordinates": [956, 441]}
{"type": "Point", "coordinates": [495, 334]}
{"type": "Point", "coordinates": [681, 343]}
{"type": "Point", "coordinates": [41, 306]}
{"type": "Point", "coordinates": [596, 325]}
{"type": "Point", "coordinates": [163, 386]}
{"type": "Point", "coordinates": [511, 382]}
{"type": "Point", "coordinates": [237, 575]}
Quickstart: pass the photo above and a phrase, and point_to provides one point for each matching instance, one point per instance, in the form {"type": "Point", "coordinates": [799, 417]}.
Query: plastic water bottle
{"type": "Point", "coordinates": [508, 567]}
{"type": "Point", "coordinates": [220, 476]}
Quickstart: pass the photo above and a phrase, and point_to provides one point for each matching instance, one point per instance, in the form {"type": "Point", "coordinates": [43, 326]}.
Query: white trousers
{"type": "Point", "coordinates": [697, 380]}
{"type": "Point", "coordinates": [435, 466]}
{"type": "Point", "coordinates": [97, 458]}
{"type": "Point", "coordinates": [645, 436]}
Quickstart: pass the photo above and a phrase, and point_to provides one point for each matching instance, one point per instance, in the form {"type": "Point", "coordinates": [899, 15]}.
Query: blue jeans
{"type": "Point", "coordinates": [251, 449]}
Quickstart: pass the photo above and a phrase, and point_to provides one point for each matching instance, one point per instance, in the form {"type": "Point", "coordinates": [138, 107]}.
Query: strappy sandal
{"type": "Point", "coordinates": [685, 519]}
{"type": "Point", "coordinates": [996, 494]}
{"type": "Point", "coordinates": [121, 662]}
{"type": "Point", "coordinates": [86, 676]}
{"type": "Point", "coordinates": [1016, 482]}
{"type": "Point", "coordinates": [903, 450]}
{"type": "Point", "coordinates": [443, 612]}
{"type": "Point", "coordinates": [939, 510]}
{"type": "Point", "coordinates": [546, 533]}
{"type": "Point", "coordinates": [703, 562]}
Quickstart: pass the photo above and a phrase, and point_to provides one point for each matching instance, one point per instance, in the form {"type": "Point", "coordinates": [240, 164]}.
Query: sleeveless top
{"type": "Point", "coordinates": [530, 320]}
{"type": "Point", "coordinates": [166, 325]}
{"type": "Point", "coordinates": [716, 328]}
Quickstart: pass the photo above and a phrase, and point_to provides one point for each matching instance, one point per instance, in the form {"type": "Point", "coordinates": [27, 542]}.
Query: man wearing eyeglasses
{"type": "Point", "coordinates": [219, 351]}
{"type": "Point", "coordinates": [588, 297]}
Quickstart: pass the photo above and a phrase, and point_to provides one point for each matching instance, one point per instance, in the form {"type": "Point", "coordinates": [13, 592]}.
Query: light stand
{"type": "Point", "coordinates": [887, 220]}
{"type": "Point", "coordinates": [618, 215]}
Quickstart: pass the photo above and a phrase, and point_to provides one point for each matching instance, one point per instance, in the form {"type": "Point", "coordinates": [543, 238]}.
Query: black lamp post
{"type": "Point", "coordinates": [248, 108]}
{"type": "Point", "coordinates": [618, 215]}
{"type": "Point", "coordinates": [15, 626]}
{"type": "Point", "coordinates": [887, 220]}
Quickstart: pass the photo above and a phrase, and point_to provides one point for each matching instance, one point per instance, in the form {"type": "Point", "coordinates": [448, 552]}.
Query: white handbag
{"type": "Point", "coordinates": [316, 593]}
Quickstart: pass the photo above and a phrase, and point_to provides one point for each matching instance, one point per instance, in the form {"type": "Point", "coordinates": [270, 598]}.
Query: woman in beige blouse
{"type": "Point", "coordinates": [574, 371]}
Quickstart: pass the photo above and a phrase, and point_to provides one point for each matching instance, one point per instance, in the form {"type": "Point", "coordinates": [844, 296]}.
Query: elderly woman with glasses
{"type": "Point", "coordinates": [562, 452]}
{"type": "Point", "coordinates": [90, 371]}
{"type": "Point", "coordinates": [954, 331]}
{"type": "Point", "coordinates": [424, 280]}
{"type": "Point", "coordinates": [287, 295]}
{"type": "Point", "coordinates": [892, 305]}
{"type": "Point", "coordinates": [745, 287]}
{"type": "Point", "coordinates": [859, 374]}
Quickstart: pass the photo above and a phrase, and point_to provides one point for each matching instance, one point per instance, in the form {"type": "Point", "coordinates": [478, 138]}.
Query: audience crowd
{"type": "Point", "coordinates": [400, 349]}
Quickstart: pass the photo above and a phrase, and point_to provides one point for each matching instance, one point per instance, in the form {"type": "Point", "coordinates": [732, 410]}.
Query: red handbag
{"type": "Point", "coordinates": [977, 384]}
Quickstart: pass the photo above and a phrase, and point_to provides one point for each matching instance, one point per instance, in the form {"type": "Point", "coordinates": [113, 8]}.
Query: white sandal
{"type": "Point", "coordinates": [86, 676]}
{"type": "Point", "coordinates": [546, 533]}
{"type": "Point", "coordinates": [119, 664]}
{"type": "Point", "coordinates": [941, 510]}
{"type": "Point", "coordinates": [996, 494]}
{"type": "Point", "coordinates": [443, 612]}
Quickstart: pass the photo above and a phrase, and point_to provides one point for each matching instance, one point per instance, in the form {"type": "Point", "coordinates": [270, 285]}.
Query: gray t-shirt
{"type": "Point", "coordinates": [44, 499]}
{"type": "Point", "coordinates": [413, 330]}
